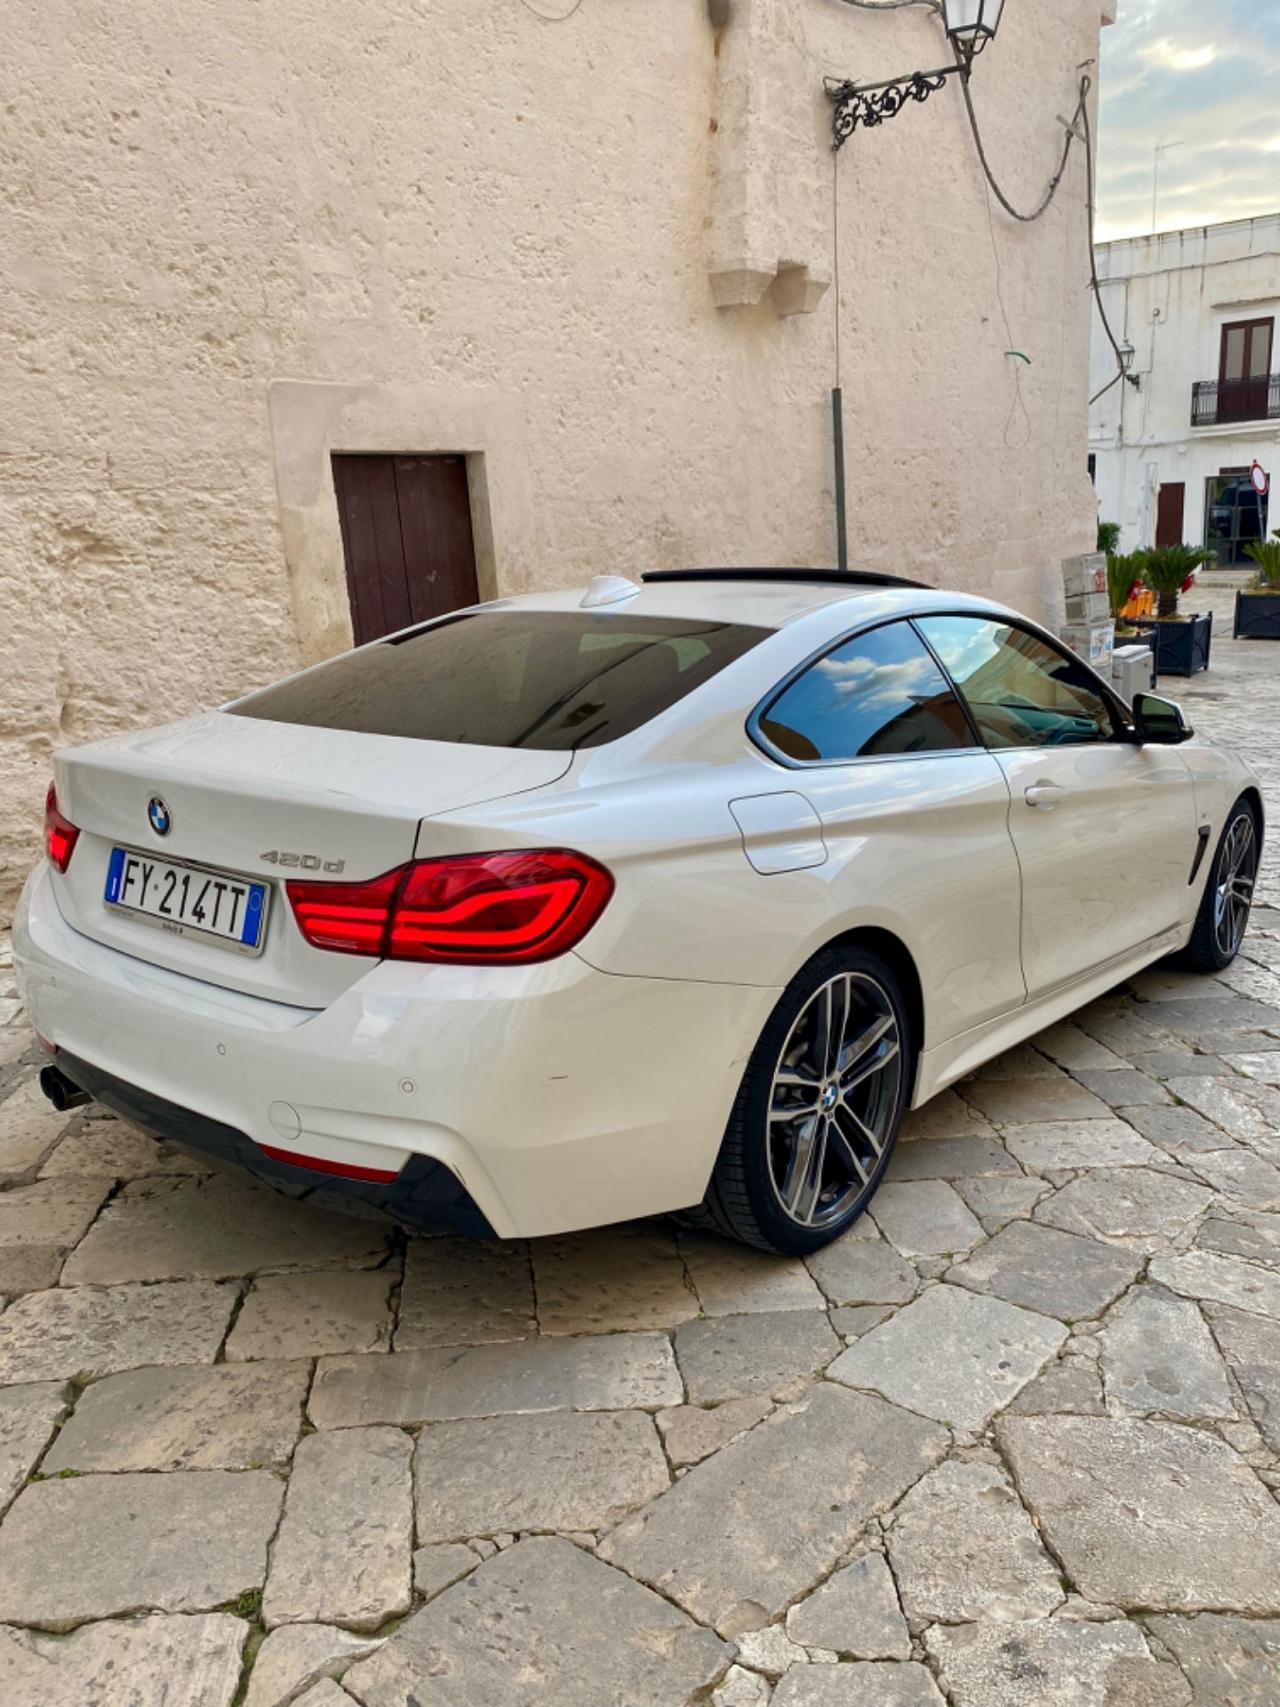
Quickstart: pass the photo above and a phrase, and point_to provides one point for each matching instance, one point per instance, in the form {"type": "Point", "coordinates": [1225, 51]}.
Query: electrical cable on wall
{"type": "Point", "coordinates": [551, 17]}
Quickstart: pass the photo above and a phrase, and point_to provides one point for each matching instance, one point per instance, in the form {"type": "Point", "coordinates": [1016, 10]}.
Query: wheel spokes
{"type": "Point", "coordinates": [834, 1099]}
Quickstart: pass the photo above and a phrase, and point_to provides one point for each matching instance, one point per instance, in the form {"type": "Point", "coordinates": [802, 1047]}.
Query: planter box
{"type": "Point", "coordinates": [1257, 616]}
{"type": "Point", "coordinates": [1182, 648]}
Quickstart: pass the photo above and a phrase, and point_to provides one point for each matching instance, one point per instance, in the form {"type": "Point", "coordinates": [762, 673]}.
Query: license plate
{"type": "Point", "coordinates": [188, 899]}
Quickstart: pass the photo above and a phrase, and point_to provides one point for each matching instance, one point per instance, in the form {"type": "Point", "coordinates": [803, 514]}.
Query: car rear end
{"type": "Point", "coordinates": [243, 937]}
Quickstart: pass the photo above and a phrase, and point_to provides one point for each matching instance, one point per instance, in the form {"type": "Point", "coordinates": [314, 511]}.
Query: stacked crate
{"type": "Point", "coordinates": [1089, 628]}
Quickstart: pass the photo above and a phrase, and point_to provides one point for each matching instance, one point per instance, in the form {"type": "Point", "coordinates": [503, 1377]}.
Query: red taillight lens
{"type": "Point", "coordinates": [504, 908]}
{"type": "Point", "coordinates": [60, 833]}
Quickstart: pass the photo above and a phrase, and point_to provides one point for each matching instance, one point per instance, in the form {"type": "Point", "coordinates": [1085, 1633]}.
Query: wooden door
{"type": "Point", "coordinates": [406, 538]}
{"type": "Point", "coordinates": [1169, 512]}
{"type": "Point", "coordinates": [1244, 370]}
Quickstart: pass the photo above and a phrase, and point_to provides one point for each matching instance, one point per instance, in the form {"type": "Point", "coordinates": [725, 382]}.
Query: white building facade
{"type": "Point", "coordinates": [1172, 457]}
{"type": "Point", "coordinates": [323, 315]}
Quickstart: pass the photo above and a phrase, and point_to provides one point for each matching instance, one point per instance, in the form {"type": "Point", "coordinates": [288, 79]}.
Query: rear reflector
{"type": "Point", "coordinates": [60, 833]}
{"type": "Point", "coordinates": [321, 1165]}
{"type": "Point", "coordinates": [476, 909]}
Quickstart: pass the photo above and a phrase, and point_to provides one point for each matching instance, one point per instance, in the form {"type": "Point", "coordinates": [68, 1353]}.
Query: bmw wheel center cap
{"type": "Point", "coordinates": [158, 816]}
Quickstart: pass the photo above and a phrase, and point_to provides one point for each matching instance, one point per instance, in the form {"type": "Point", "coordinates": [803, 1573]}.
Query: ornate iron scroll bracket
{"type": "Point", "coordinates": [870, 104]}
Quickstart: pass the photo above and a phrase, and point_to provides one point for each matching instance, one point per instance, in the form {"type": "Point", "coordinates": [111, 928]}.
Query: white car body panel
{"type": "Point", "coordinates": [596, 1087]}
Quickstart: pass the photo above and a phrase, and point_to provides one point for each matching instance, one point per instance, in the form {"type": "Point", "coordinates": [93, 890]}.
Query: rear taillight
{"type": "Point", "coordinates": [59, 833]}
{"type": "Point", "coordinates": [477, 909]}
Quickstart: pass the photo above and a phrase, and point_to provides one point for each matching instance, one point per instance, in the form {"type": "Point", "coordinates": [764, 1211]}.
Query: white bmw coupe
{"type": "Point", "coordinates": [577, 907]}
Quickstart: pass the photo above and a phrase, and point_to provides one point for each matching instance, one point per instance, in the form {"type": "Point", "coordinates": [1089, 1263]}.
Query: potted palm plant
{"type": "Point", "coordinates": [1181, 642]}
{"type": "Point", "coordinates": [1124, 583]}
{"type": "Point", "coordinates": [1257, 607]}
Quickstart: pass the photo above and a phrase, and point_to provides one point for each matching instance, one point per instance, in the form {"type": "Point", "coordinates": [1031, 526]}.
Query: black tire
{"type": "Point", "coordinates": [831, 1169]}
{"type": "Point", "coordinates": [1223, 914]}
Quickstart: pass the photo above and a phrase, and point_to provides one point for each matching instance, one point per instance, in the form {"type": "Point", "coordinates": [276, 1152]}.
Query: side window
{"type": "Point", "coordinates": [1020, 692]}
{"type": "Point", "coordinates": [880, 692]}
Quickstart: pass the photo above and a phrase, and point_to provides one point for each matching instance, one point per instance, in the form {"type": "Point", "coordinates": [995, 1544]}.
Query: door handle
{"type": "Point", "coordinates": [1045, 795]}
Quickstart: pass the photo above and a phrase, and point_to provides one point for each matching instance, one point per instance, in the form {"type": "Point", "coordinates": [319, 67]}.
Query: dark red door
{"type": "Point", "coordinates": [1169, 512]}
{"type": "Point", "coordinates": [407, 539]}
{"type": "Point", "coordinates": [1244, 370]}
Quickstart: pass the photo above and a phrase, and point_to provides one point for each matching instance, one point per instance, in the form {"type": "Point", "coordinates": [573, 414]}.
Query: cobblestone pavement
{"type": "Point", "coordinates": [1014, 1441]}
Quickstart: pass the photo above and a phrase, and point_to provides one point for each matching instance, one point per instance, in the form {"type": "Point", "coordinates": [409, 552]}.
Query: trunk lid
{"type": "Point", "coordinates": [338, 804]}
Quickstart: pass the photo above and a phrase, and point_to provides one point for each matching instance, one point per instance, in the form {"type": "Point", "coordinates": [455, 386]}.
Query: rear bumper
{"type": "Point", "coordinates": [424, 1195]}
{"type": "Point", "coordinates": [556, 1096]}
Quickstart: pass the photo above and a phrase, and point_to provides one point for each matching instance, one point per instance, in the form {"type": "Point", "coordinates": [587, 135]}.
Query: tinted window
{"type": "Point", "coordinates": [1021, 692]}
{"type": "Point", "coordinates": [546, 679]}
{"type": "Point", "coordinates": [880, 692]}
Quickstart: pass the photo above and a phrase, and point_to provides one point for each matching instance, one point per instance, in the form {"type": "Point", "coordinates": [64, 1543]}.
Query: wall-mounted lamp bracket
{"type": "Point", "coordinates": [870, 104]}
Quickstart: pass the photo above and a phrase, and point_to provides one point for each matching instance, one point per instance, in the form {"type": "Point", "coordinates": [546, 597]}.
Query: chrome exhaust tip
{"type": "Point", "coordinates": [60, 1091]}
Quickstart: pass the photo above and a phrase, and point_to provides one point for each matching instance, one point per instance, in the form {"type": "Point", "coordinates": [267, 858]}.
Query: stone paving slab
{"type": "Point", "coordinates": [924, 1218]}
{"type": "Point", "coordinates": [438, 1566]}
{"type": "Point", "coordinates": [561, 1470]}
{"type": "Point", "coordinates": [28, 1417]}
{"type": "Point", "coordinates": [112, 1149]}
{"type": "Point", "coordinates": [1137, 1207]}
{"type": "Point", "coordinates": [606, 1372]}
{"type": "Point", "coordinates": [215, 1227]}
{"type": "Point", "coordinates": [29, 1129]}
{"type": "Point", "coordinates": [963, 1549]}
{"type": "Point", "coordinates": [950, 1159]}
{"type": "Point", "coordinates": [1069, 1144]}
{"type": "Point", "coordinates": [79, 1333]}
{"type": "Point", "coordinates": [854, 1613]}
{"type": "Point", "coordinates": [611, 1280]}
{"type": "Point", "coordinates": [39, 1224]}
{"type": "Point", "coordinates": [731, 1280]}
{"type": "Point", "coordinates": [1251, 1346]}
{"type": "Point", "coordinates": [464, 1292]}
{"type": "Point", "coordinates": [952, 1355]}
{"type": "Point", "coordinates": [1240, 1175]}
{"type": "Point", "coordinates": [542, 1623]}
{"type": "Point", "coordinates": [774, 1354]}
{"type": "Point", "coordinates": [1053, 1664]}
{"type": "Point", "coordinates": [1010, 1102]}
{"type": "Point", "coordinates": [863, 1271]}
{"type": "Point", "coordinates": [690, 1434]}
{"type": "Point", "coordinates": [221, 1418]}
{"type": "Point", "coordinates": [154, 1661]}
{"type": "Point", "coordinates": [1112, 1497]}
{"type": "Point", "coordinates": [313, 1314]}
{"type": "Point", "coordinates": [1229, 1662]}
{"type": "Point", "coordinates": [294, 1657]}
{"type": "Point", "coordinates": [187, 1542]}
{"type": "Point", "coordinates": [1255, 1237]}
{"type": "Point", "coordinates": [874, 1684]}
{"type": "Point", "coordinates": [746, 1531]}
{"type": "Point", "coordinates": [344, 1551]}
{"type": "Point", "coordinates": [1205, 1275]}
{"type": "Point", "coordinates": [1043, 1269]}
{"type": "Point", "coordinates": [1158, 1357]}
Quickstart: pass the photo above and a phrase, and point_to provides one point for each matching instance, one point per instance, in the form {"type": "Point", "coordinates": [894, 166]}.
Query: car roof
{"type": "Point", "coordinates": [774, 599]}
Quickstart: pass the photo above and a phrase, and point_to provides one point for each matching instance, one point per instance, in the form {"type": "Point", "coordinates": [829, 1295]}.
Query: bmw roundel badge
{"type": "Point", "coordinates": [158, 816]}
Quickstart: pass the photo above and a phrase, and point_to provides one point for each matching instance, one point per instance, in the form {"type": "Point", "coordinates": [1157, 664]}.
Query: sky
{"type": "Point", "coordinates": [1204, 74]}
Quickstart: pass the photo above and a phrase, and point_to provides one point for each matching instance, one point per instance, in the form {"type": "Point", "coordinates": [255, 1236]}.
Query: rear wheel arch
{"type": "Point", "coordinates": [895, 953]}
{"type": "Point", "coordinates": [1252, 798]}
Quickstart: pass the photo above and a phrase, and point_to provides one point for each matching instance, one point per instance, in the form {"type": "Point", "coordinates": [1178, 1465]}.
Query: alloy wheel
{"type": "Point", "coordinates": [834, 1099]}
{"type": "Point", "coordinates": [1233, 892]}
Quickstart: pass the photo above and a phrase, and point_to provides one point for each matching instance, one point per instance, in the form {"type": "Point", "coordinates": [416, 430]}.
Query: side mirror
{"type": "Point", "coordinates": [1159, 722]}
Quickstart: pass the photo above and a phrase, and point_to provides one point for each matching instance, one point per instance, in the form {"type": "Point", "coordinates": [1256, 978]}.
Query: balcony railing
{"type": "Point", "coordinates": [1215, 402]}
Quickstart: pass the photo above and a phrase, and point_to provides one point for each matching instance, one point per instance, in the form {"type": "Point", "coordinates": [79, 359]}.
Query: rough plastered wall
{"type": "Point", "coordinates": [594, 254]}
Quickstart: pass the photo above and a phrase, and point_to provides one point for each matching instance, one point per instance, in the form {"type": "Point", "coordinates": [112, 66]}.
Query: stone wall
{"type": "Point", "coordinates": [593, 254]}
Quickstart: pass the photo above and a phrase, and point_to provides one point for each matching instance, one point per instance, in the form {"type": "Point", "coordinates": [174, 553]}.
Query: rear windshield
{"type": "Point", "coordinates": [547, 679]}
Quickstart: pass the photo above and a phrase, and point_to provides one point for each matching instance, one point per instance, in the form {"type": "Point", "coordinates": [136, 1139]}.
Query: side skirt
{"type": "Point", "coordinates": [960, 1055]}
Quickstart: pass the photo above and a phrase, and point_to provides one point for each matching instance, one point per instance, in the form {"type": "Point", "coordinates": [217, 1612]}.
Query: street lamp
{"type": "Point", "coordinates": [970, 25]}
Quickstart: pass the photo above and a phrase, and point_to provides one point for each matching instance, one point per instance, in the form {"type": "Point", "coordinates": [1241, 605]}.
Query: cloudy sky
{"type": "Point", "coordinates": [1204, 74]}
